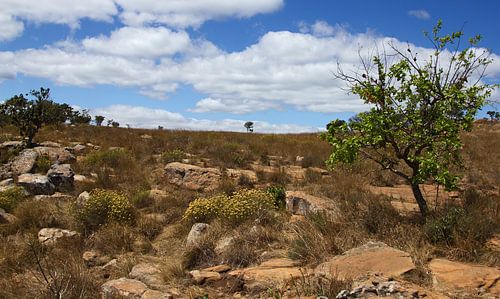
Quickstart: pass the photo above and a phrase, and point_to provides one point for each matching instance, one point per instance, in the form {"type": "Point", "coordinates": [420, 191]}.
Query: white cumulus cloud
{"type": "Point", "coordinates": [421, 14]}
{"type": "Point", "coordinates": [143, 117]}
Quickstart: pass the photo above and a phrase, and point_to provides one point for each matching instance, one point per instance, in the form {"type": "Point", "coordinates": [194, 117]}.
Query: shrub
{"type": "Point", "coordinates": [42, 164]}
{"type": "Point", "coordinates": [173, 156]}
{"type": "Point", "coordinates": [248, 204]}
{"type": "Point", "coordinates": [279, 196]}
{"type": "Point", "coordinates": [242, 205]}
{"type": "Point", "coordinates": [11, 197]}
{"type": "Point", "coordinates": [112, 158]}
{"type": "Point", "coordinates": [105, 206]}
{"type": "Point", "coordinates": [440, 230]}
{"type": "Point", "coordinates": [206, 209]}
{"type": "Point", "coordinates": [112, 238]}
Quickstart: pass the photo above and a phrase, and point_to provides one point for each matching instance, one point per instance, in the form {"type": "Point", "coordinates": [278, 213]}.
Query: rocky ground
{"type": "Point", "coordinates": [154, 266]}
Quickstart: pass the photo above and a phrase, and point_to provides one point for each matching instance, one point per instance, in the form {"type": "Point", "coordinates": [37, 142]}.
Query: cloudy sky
{"type": "Point", "coordinates": [214, 64]}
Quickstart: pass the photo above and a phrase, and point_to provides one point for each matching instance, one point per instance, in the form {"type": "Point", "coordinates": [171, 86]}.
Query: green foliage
{"type": "Point", "coordinates": [279, 196]}
{"type": "Point", "coordinates": [418, 110]}
{"type": "Point", "coordinates": [98, 120]}
{"type": "Point", "coordinates": [42, 164]}
{"type": "Point", "coordinates": [249, 126]}
{"type": "Point", "coordinates": [440, 230]}
{"type": "Point", "coordinates": [173, 156]}
{"type": "Point", "coordinates": [30, 115]}
{"type": "Point", "coordinates": [242, 205]}
{"type": "Point", "coordinates": [494, 115]}
{"type": "Point", "coordinates": [11, 197]}
{"type": "Point", "coordinates": [111, 158]}
{"type": "Point", "coordinates": [104, 206]}
{"type": "Point", "coordinates": [80, 117]}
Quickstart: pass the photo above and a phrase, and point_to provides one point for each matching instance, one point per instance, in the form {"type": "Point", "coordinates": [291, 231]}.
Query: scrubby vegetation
{"type": "Point", "coordinates": [134, 215]}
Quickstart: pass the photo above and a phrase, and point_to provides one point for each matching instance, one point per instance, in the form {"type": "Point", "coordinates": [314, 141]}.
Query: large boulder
{"type": "Point", "coordinates": [301, 203]}
{"type": "Point", "coordinates": [36, 184]}
{"type": "Point", "coordinates": [50, 236]}
{"type": "Point", "coordinates": [373, 257]}
{"type": "Point", "coordinates": [192, 177]}
{"type": "Point", "coordinates": [24, 162]}
{"type": "Point", "coordinates": [62, 176]}
{"type": "Point", "coordinates": [198, 230]}
{"type": "Point", "coordinates": [448, 275]}
{"type": "Point", "coordinates": [55, 154]}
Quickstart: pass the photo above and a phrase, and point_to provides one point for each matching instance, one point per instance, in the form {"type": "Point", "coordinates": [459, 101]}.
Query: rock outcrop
{"type": "Point", "coordinates": [192, 177]}
{"type": "Point", "coordinates": [148, 274]}
{"type": "Point", "coordinates": [126, 288]}
{"type": "Point", "coordinates": [373, 257]}
{"type": "Point", "coordinates": [448, 275]}
{"type": "Point", "coordinates": [204, 178]}
{"type": "Point", "coordinates": [301, 203]}
{"type": "Point", "coordinates": [55, 154]}
{"type": "Point", "coordinates": [36, 184]}
{"type": "Point", "coordinates": [62, 177]}
{"type": "Point", "coordinates": [270, 273]}
{"type": "Point", "coordinates": [24, 162]}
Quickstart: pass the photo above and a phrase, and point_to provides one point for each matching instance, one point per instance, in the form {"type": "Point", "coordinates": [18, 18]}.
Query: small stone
{"type": "Point", "coordinates": [93, 258]}
{"type": "Point", "coordinates": [49, 236]}
{"type": "Point", "coordinates": [198, 230]}
{"type": "Point", "coordinates": [6, 217]}
{"type": "Point", "coordinates": [218, 268]}
{"type": "Point", "coordinates": [201, 276]}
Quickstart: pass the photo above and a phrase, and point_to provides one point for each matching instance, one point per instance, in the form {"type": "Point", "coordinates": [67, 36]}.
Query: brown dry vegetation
{"type": "Point", "coordinates": [456, 230]}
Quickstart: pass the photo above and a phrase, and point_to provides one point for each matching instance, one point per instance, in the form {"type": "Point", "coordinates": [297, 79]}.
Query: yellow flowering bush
{"type": "Point", "coordinates": [248, 204]}
{"type": "Point", "coordinates": [105, 206]}
{"type": "Point", "coordinates": [11, 197]}
{"type": "Point", "coordinates": [243, 205]}
{"type": "Point", "coordinates": [206, 209]}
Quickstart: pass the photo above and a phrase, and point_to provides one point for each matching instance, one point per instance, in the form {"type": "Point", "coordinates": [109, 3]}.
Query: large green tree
{"type": "Point", "coordinates": [418, 110]}
{"type": "Point", "coordinates": [30, 115]}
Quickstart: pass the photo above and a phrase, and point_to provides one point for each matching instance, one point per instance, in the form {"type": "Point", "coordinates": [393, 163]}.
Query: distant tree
{"type": "Point", "coordinates": [110, 121]}
{"type": "Point", "coordinates": [160, 128]}
{"type": "Point", "coordinates": [80, 117]}
{"type": "Point", "coordinates": [249, 126]}
{"type": "Point", "coordinates": [418, 110]}
{"type": "Point", "coordinates": [115, 124]}
{"type": "Point", "coordinates": [98, 120]}
{"type": "Point", "coordinates": [494, 115]}
{"type": "Point", "coordinates": [30, 115]}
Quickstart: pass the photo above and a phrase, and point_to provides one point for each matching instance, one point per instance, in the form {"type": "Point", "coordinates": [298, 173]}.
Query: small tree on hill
{"type": "Point", "coordinates": [30, 115]}
{"type": "Point", "coordinates": [249, 126]}
{"type": "Point", "coordinates": [80, 117]}
{"type": "Point", "coordinates": [98, 120]}
{"type": "Point", "coordinates": [494, 115]}
{"type": "Point", "coordinates": [418, 110]}
{"type": "Point", "coordinates": [115, 124]}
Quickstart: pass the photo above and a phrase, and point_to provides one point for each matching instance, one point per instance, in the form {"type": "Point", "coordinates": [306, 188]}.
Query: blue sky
{"type": "Point", "coordinates": [215, 64]}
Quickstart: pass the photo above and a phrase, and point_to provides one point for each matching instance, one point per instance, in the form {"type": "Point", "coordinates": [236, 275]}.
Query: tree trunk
{"type": "Point", "coordinates": [422, 204]}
